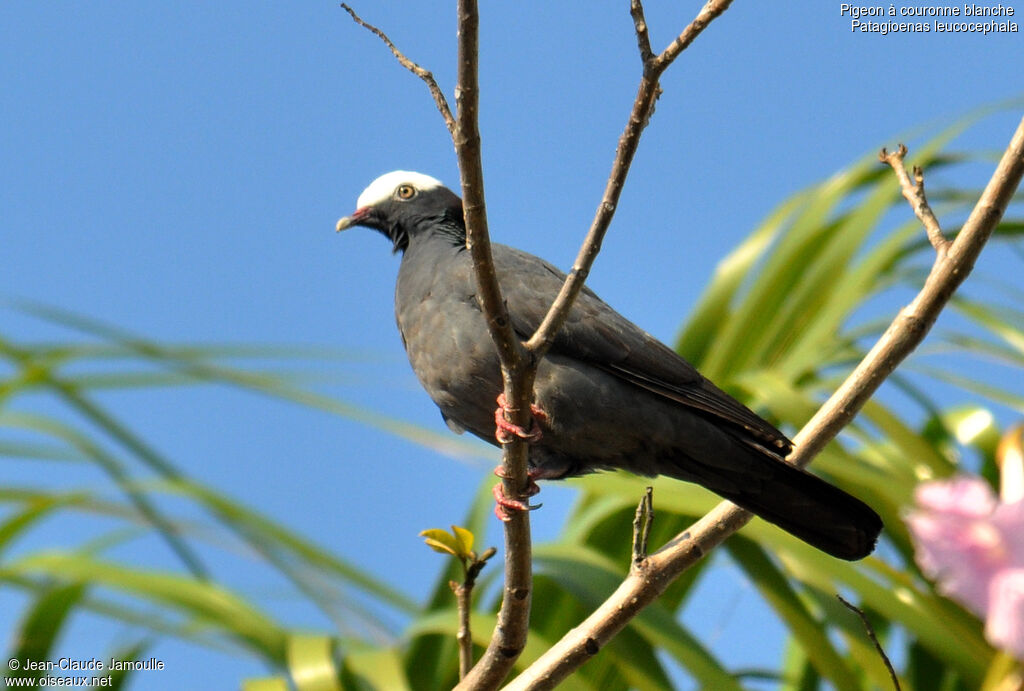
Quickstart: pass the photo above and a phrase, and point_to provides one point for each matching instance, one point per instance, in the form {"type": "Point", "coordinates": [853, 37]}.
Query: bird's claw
{"type": "Point", "coordinates": [506, 431]}
{"type": "Point", "coordinates": [504, 504]}
{"type": "Point", "coordinates": [532, 475]}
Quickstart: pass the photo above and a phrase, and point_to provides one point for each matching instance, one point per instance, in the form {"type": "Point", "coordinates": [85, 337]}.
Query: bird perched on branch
{"type": "Point", "coordinates": [607, 395]}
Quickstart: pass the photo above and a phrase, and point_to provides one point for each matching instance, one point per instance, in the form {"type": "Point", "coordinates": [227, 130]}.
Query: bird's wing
{"type": "Point", "coordinates": [596, 333]}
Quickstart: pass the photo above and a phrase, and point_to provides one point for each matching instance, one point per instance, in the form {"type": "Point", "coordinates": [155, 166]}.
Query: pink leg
{"type": "Point", "coordinates": [506, 431]}
{"type": "Point", "coordinates": [503, 504]}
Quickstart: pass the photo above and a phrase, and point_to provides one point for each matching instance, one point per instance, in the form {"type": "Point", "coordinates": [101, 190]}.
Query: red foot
{"type": "Point", "coordinates": [506, 431]}
{"type": "Point", "coordinates": [503, 504]}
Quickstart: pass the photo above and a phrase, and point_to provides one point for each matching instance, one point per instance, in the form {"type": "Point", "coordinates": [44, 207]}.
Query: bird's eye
{"type": "Point", "coordinates": [405, 192]}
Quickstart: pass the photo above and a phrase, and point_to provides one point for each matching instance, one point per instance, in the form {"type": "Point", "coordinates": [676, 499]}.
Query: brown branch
{"type": "Point", "coordinates": [425, 75]}
{"type": "Point", "coordinates": [913, 192]}
{"type": "Point", "coordinates": [518, 367]}
{"type": "Point", "coordinates": [649, 579]}
{"type": "Point", "coordinates": [874, 639]}
{"type": "Point", "coordinates": [471, 567]}
{"type": "Point", "coordinates": [509, 637]}
{"type": "Point", "coordinates": [464, 636]}
{"type": "Point", "coordinates": [643, 40]}
{"type": "Point", "coordinates": [707, 14]}
{"type": "Point", "coordinates": [467, 147]}
{"type": "Point", "coordinates": [913, 322]}
{"type": "Point", "coordinates": [643, 519]}
{"type": "Point", "coordinates": [643, 107]}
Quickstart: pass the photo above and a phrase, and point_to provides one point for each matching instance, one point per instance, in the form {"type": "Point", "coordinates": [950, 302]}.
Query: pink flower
{"type": "Point", "coordinates": [972, 545]}
{"type": "Point", "coordinates": [1003, 626]}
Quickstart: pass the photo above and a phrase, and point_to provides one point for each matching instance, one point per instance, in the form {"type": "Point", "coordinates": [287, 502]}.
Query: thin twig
{"type": "Point", "coordinates": [643, 106]}
{"type": "Point", "coordinates": [464, 636]}
{"type": "Point", "coordinates": [913, 192]}
{"type": "Point", "coordinates": [643, 585]}
{"type": "Point", "coordinates": [467, 148]}
{"type": "Point", "coordinates": [707, 14]}
{"type": "Point", "coordinates": [425, 75]}
{"type": "Point", "coordinates": [643, 39]}
{"type": "Point", "coordinates": [464, 603]}
{"type": "Point", "coordinates": [914, 321]}
{"type": "Point", "coordinates": [642, 521]}
{"type": "Point", "coordinates": [874, 639]}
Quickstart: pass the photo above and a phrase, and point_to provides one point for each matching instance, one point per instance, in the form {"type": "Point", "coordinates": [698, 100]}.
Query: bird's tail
{"type": "Point", "coordinates": [806, 506]}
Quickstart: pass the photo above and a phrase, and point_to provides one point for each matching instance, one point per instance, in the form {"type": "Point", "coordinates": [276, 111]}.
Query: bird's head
{"type": "Point", "coordinates": [402, 205]}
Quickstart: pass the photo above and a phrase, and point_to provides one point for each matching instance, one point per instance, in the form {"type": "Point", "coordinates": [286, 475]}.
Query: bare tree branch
{"type": "Point", "coordinates": [519, 364]}
{"type": "Point", "coordinates": [471, 566]}
{"type": "Point", "coordinates": [643, 107]}
{"type": "Point", "coordinates": [708, 13]}
{"type": "Point", "coordinates": [913, 192]}
{"type": "Point", "coordinates": [648, 579]}
{"type": "Point", "coordinates": [518, 367]}
{"type": "Point", "coordinates": [509, 637]}
{"type": "Point", "coordinates": [871, 631]}
{"type": "Point", "coordinates": [464, 636]}
{"type": "Point", "coordinates": [425, 75]}
{"type": "Point", "coordinates": [467, 147]}
{"type": "Point", "coordinates": [643, 519]}
{"type": "Point", "coordinates": [914, 321]}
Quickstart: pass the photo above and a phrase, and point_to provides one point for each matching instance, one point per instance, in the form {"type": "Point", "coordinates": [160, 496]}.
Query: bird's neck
{"type": "Point", "coordinates": [426, 259]}
{"type": "Point", "coordinates": [437, 233]}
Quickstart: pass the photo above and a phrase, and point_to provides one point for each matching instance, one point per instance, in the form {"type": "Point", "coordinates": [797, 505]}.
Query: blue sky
{"type": "Point", "coordinates": [177, 169]}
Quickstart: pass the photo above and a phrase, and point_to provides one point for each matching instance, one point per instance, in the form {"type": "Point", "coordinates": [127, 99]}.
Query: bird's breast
{"type": "Point", "coordinates": [447, 341]}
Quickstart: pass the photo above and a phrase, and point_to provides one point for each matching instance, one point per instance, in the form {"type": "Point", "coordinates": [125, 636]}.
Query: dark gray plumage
{"type": "Point", "coordinates": [614, 397]}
